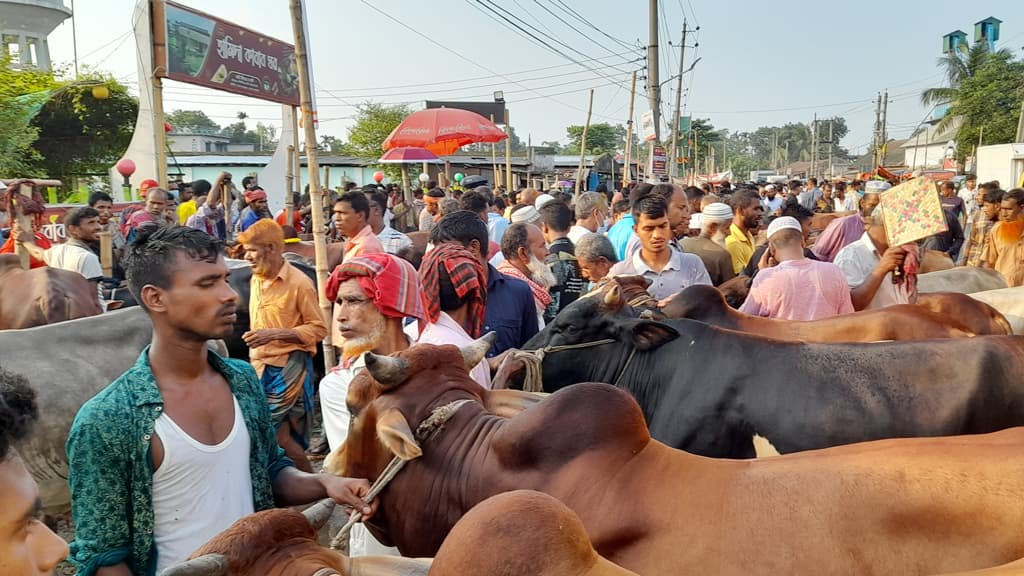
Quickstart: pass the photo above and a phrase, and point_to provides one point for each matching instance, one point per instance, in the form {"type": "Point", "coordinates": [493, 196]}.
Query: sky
{"type": "Point", "coordinates": [760, 63]}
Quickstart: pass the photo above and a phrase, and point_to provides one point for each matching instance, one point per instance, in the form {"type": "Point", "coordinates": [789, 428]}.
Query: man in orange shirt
{"type": "Point", "coordinates": [286, 324]}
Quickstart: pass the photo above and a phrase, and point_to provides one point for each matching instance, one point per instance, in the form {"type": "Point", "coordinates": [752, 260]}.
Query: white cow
{"type": "Point", "coordinates": [962, 279]}
{"type": "Point", "coordinates": [1009, 302]}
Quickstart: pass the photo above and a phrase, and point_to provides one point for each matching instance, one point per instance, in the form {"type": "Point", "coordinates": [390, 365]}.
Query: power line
{"type": "Point", "coordinates": [571, 26]}
{"type": "Point", "coordinates": [566, 8]}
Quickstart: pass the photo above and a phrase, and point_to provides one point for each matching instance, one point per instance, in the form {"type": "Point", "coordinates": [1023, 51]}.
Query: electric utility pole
{"type": "Point", "coordinates": [673, 145]}
{"type": "Point", "coordinates": [653, 84]}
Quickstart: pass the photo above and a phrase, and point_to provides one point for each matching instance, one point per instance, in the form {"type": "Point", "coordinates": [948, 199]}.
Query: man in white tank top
{"type": "Point", "coordinates": [181, 445]}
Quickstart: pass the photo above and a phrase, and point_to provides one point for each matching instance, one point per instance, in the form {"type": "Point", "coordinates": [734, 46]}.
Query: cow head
{"type": "Point", "coordinates": [283, 542]}
{"type": "Point", "coordinates": [698, 302]}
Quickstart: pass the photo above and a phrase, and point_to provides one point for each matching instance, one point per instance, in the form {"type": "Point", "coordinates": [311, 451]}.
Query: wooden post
{"type": "Point", "coordinates": [159, 136]}
{"type": "Point", "coordinates": [107, 253]}
{"type": "Point", "coordinates": [494, 161]}
{"type": "Point", "coordinates": [289, 206]}
{"type": "Point", "coordinates": [508, 154]}
{"type": "Point", "coordinates": [627, 167]}
{"type": "Point", "coordinates": [225, 197]}
{"type": "Point", "coordinates": [447, 171]}
{"type": "Point", "coordinates": [315, 192]}
{"type": "Point", "coordinates": [327, 178]}
{"type": "Point", "coordinates": [298, 152]}
{"type": "Point", "coordinates": [583, 145]}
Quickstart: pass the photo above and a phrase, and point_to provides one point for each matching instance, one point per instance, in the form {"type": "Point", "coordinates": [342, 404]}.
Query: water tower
{"type": "Point", "coordinates": [24, 26]}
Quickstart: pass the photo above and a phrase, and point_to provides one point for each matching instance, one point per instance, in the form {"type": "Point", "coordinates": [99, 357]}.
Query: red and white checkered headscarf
{"type": "Point", "coordinates": [389, 281]}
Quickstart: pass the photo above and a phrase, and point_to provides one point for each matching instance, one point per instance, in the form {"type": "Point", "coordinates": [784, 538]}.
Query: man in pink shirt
{"type": "Point", "coordinates": [791, 286]}
{"type": "Point", "coordinates": [352, 219]}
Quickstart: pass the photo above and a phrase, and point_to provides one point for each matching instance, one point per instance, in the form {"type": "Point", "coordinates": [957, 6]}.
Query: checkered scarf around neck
{"type": "Point", "coordinates": [540, 293]}
{"type": "Point", "coordinates": [389, 281]}
{"type": "Point", "coordinates": [468, 279]}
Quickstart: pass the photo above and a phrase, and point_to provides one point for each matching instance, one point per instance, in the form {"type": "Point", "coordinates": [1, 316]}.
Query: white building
{"type": "Point", "coordinates": [200, 141]}
{"type": "Point", "coordinates": [24, 26]}
{"type": "Point", "coordinates": [929, 147]}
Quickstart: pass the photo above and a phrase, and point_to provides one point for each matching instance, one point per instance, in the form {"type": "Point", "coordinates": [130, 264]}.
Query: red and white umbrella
{"type": "Point", "coordinates": [443, 130]}
{"type": "Point", "coordinates": [408, 155]}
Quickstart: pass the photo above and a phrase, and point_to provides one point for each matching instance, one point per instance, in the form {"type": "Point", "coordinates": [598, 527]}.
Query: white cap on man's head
{"type": "Point", "coordinates": [784, 223]}
{"type": "Point", "coordinates": [769, 187]}
{"type": "Point", "coordinates": [695, 221]}
{"type": "Point", "coordinates": [526, 215]}
{"type": "Point", "coordinates": [543, 200]}
{"type": "Point", "coordinates": [876, 186]}
{"type": "Point", "coordinates": [717, 212]}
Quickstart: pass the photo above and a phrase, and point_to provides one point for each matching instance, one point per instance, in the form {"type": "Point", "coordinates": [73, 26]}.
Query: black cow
{"type": "Point", "coordinates": [708, 390]}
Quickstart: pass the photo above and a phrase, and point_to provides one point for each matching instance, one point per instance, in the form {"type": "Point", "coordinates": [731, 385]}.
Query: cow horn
{"type": "Point", "coordinates": [205, 565]}
{"type": "Point", "coordinates": [389, 371]}
{"type": "Point", "coordinates": [613, 298]}
{"type": "Point", "coordinates": [473, 353]}
{"type": "Point", "coordinates": [319, 513]}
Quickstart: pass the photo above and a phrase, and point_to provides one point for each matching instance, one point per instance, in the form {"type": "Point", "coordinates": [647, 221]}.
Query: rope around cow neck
{"type": "Point", "coordinates": [425, 431]}
{"type": "Point", "coordinates": [534, 359]}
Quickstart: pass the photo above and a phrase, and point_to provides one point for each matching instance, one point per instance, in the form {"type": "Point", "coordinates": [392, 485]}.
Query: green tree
{"type": "Point", "coordinates": [79, 134]}
{"type": "Point", "coordinates": [21, 92]}
{"type": "Point", "coordinates": [374, 123]}
{"type": "Point", "coordinates": [193, 120]}
{"type": "Point", "coordinates": [330, 144]}
{"type": "Point", "coordinates": [602, 138]}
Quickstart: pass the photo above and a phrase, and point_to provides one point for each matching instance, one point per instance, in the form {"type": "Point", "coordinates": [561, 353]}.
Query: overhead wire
{"type": "Point", "coordinates": [572, 27]}
{"type": "Point", "coordinates": [568, 10]}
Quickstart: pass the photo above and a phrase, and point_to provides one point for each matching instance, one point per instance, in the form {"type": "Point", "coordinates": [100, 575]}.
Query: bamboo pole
{"type": "Point", "coordinates": [297, 158]}
{"type": "Point", "coordinates": [583, 144]}
{"type": "Point", "coordinates": [494, 161]}
{"type": "Point", "coordinates": [159, 53]}
{"type": "Point", "coordinates": [508, 154]}
{"type": "Point", "coordinates": [289, 205]}
{"type": "Point", "coordinates": [315, 192]}
{"type": "Point", "coordinates": [107, 253]}
{"type": "Point", "coordinates": [626, 166]}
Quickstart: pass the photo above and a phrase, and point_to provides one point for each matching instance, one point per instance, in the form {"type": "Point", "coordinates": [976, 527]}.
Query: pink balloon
{"type": "Point", "coordinates": [125, 167]}
{"type": "Point", "coordinates": [378, 176]}
{"type": "Point", "coordinates": [167, 127]}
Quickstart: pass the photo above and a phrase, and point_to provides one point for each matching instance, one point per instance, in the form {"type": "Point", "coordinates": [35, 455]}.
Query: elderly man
{"type": "Point", "coordinates": [525, 251]}
{"type": "Point", "coordinates": [868, 265]}
{"type": "Point", "coordinates": [27, 546]}
{"type": "Point", "coordinates": [525, 215]}
{"type": "Point", "coordinates": [1004, 249]}
{"type": "Point", "coordinates": [842, 232]}
{"type": "Point", "coordinates": [710, 245]}
{"type": "Point", "coordinates": [791, 286]}
{"type": "Point", "coordinates": [511, 312]}
{"type": "Point", "coordinates": [591, 215]}
{"type": "Point", "coordinates": [256, 209]}
{"type": "Point", "coordinates": [596, 256]}
{"type": "Point", "coordinates": [747, 215]}
{"type": "Point", "coordinates": [154, 214]}
{"type": "Point", "coordinates": [668, 269]}
{"type": "Point", "coordinates": [286, 324]}
{"type": "Point", "coordinates": [455, 296]}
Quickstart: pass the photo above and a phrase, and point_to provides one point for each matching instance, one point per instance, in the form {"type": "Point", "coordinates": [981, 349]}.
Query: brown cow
{"type": "Point", "coordinates": [899, 322]}
{"type": "Point", "coordinates": [42, 295]}
{"type": "Point", "coordinates": [524, 533]}
{"type": "Point", "coordinates": [283, 542]}
{"type": "Point", "coordinates": [966, 312]}
{"type": "Point", "coordinates": [908, 506]}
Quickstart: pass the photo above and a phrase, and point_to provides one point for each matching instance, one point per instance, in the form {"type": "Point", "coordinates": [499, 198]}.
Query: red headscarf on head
{"type": "Point", "coordinates": [255, 194]}
{"type": "Point", "coordinates": [468, 279]}
{"type": "Point", "coordinates": [391, 282]}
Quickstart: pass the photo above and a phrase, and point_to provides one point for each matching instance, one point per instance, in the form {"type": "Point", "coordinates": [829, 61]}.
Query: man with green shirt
{"type": "Point", "coordinates": [181, 445]}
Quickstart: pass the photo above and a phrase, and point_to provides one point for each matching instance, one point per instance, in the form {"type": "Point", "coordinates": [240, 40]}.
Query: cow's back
{"type": "Point", "coordinates": [1009, 302]}
{"type": "Point", "coordinates": [67, 364]}
{"type": "Point", "coordinates": [45, 296]}
{"type": "Point", "coordinates": [962, 279]}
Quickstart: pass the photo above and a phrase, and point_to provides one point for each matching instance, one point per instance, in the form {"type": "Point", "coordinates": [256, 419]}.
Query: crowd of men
{"type": "Point", "coordinates": [149, 456]}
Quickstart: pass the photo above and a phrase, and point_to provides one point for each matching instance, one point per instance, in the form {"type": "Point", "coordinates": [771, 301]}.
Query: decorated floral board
{"type": "Point", "coordinates": [912, 211]}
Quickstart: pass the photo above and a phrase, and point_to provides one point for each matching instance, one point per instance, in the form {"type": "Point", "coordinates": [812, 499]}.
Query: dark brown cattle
{"type": "Point", "coordinates": [735, 291]}
{"type": "Point", "coordinates": [42, 295]}
{"type": "Point", "coordinates": [900, 322]}
{"type": "Point", "coordinates": [283, 542]}
{"type": "Point", "coordinates": [524, 533]}
{"type": "Point", "coordinates": [970, 314]}
{"type": "Point", "coordinates": [843, 511]}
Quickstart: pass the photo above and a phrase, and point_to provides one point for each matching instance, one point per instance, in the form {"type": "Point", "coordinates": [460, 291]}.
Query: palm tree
{"type": "Point", "coordinates": [959, 66]}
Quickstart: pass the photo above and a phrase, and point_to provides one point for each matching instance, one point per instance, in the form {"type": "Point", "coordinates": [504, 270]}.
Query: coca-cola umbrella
{"type": "Point", "coordinates": [406, 155]}
{"type": "Point", "coordinates": [443, 130]}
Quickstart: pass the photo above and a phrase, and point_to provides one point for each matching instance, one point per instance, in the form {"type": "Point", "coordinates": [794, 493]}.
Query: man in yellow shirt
{"type": "Point", "coordinates": [286, 324]}
{"type": "Point", "coordinates": [187, 201]}
{"type": "Point", "coordinates": [747, 215]}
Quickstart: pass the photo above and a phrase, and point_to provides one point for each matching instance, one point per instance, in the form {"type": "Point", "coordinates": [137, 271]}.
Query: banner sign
{"type": "Point", "coordinates": [659, 161]}
{"type": "Point", "coordinates": [647, 132]}
{"type": "Point", "coordinates": [211, 52]}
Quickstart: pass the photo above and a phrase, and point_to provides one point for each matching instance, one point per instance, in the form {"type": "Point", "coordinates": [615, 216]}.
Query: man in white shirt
{"type": "Point", "coordinates": [669, 269]}
{"type": "Point", "coordinates": [868, 264]}
{"type": "Point", "coordinates": [392, 240]}
{"type": "Point", "coordinates": [372, 294]}
{"type": "Point", "coordinates": [969, 194]}
{"type": "Point", "coordinates": [83, 227]}
{"type": "Point", "coordinates": [591, 213]}
{"type": "Point", "coordinates": [772, 201]}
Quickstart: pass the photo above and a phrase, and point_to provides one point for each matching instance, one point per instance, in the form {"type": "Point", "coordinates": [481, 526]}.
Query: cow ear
{"type": "Point", "coordinates": [648, 334]}
{"type": "Point", "coordinates": [509, 403]}
{"type": "Point", "coordinates": [394, 431]}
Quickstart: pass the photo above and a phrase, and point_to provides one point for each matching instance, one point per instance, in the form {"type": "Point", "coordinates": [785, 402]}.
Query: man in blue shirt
{"type": "Point", "coordinates": [510, 311]}
{"type": "Point", "coordinates": [620, 234]}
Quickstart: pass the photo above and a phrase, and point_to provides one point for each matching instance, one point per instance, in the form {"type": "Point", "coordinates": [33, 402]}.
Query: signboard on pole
{"type": "Point", "coordinates": [647, 127]}
{"type": "Point", "coordinates": [659, 161]}
{"type": "Point", "coordinates": [211, 52]}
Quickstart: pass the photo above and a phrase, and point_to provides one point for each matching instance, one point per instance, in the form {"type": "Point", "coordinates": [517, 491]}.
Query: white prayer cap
{"type": "Point", "coordinates": [783, 223]}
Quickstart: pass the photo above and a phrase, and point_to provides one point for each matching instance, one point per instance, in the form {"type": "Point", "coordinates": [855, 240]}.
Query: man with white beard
{"type": "Point", "coordinates": [709, 246]}
{"type": "Point", "coordinates": [524, 250]}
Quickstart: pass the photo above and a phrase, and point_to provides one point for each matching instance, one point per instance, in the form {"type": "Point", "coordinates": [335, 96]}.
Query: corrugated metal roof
{"type": "Point", "coordinates": [256, 160]}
